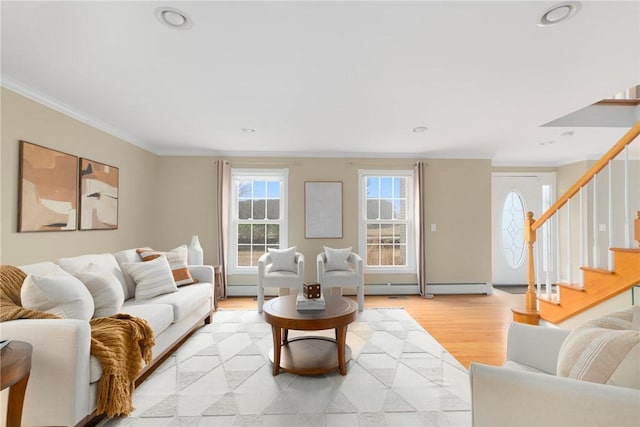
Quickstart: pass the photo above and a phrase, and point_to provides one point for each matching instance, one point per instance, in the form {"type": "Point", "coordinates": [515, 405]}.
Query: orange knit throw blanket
{"type": "Point", "coordinates": [121, 343]}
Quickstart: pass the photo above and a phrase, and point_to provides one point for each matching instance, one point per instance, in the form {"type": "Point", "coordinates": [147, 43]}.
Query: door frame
{"type": "Point", "coordinates": [548, 178]}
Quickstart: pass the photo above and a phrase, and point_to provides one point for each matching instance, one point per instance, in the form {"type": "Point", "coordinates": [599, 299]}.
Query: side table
{"type": "Point", "coordinates": [217, 278]}
{"type": "Point", "coordinates": [15, 368]}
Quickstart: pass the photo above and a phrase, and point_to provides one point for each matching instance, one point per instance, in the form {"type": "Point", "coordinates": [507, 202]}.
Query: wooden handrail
{"type": "Point", "coordinates": [600, 164]}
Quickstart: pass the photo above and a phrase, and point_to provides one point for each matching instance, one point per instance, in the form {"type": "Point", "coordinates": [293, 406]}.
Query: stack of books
{"type": "Point", "coordinates": [303, 303]}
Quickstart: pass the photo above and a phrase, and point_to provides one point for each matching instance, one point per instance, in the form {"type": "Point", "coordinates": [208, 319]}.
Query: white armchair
{"type": "Point", "coordinates": [352, 276]}
{"type": "Point", "coordinates": [525, 391]}
{"type": "Point", "coordinates": [268, 277]}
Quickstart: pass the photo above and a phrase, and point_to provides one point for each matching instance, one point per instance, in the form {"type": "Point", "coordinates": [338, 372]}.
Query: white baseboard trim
{"type": "Point", "coordinates": [383, 289]}
{"type": "Point", "coordinates": [459, 288]}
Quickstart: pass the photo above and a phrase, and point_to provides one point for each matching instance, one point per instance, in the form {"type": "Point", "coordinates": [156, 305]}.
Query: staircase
{"type": "Point", "coordinates": [595, 284]}
{"type": "Point", "coordinates": [599, 285]}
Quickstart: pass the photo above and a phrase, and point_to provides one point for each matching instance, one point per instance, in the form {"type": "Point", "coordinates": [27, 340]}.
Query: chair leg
{"type": "Point", "coordinates": [260, 298]}
{"type": "Point", "coordinates": [360, 298]}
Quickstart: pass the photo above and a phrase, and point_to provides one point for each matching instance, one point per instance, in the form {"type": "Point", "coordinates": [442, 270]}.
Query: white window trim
{"type": "Point", "coordinates": [362, 235]}
{"type": "Point", "coordinates": [239, 173]}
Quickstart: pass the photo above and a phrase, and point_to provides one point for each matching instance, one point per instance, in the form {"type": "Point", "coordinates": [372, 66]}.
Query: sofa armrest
{"type": "Point", "coordinates": [204, 273]}
{"type": "Point", "coordinates": [58, 388]}
{"type": "Point", "coordinates": [506, 397]}
{"type": "Point", "coordinates": [535, 346]}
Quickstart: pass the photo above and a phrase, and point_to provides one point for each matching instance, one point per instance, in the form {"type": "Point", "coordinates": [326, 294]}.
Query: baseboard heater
{"type": "Point", "coordinates": [385, 289]}
{"type": "Point", "coordinates": [459, 288]}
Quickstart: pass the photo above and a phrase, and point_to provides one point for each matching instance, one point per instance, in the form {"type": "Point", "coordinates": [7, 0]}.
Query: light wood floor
{"type": "Point", "coordinates": [473, 328]}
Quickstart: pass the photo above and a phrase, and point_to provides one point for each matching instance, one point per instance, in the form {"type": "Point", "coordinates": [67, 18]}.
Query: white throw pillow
{"type": "Point", "coordinates": [64, 296]}
{"type": "Point", "coordinates": [106, 291]}
{"type": "Point", "coordinates": [152, 278]}
{"type": "Point", "coordinates": [337, 259]}
{"type": "Point", "coordinates": [283, 259]}
{"type": "Point", "coordinates": [177, 262]}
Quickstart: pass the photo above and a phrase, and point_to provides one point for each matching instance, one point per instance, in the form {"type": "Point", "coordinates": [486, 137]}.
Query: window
{"type": "Point", "coordinates": [386, 221]}
{"type": "Point", "coordinates": [258, 218]}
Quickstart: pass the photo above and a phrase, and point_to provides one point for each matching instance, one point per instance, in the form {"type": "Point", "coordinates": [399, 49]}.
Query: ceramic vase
{"type": "Point", "coordinates": [195, 253]}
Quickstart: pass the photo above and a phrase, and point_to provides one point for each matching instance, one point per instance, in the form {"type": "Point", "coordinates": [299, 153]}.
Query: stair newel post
{"type": "Point", "coordinates": [530, 238]}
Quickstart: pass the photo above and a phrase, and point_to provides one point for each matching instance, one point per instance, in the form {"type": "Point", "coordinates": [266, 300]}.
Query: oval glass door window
{"type": "Point", "coordinates": [513, 230]}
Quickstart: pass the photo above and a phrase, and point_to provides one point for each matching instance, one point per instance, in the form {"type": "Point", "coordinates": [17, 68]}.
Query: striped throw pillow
{"type": "Point", "coordinates": [177, 261]}
{"type": "Point", "coordinates": [605, 350]}
{"type": "Point", "coordinates": [152, 278]}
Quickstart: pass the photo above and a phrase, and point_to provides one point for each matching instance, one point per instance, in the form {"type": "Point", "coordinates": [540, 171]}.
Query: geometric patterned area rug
{"type": "Point", "coordinates": [398, 376]}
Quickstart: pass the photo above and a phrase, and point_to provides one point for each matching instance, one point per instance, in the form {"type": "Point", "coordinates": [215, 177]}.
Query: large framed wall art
{"type": "Point", "coordinates": [48, 189]}
{"type": "Point", "coordinates": [323, 210]}
{"type": "Point", "coordinates": [98, 196]}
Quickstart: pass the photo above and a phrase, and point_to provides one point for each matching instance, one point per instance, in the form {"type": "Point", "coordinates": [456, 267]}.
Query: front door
{"type": "Point", "coordinates": [513, 195]}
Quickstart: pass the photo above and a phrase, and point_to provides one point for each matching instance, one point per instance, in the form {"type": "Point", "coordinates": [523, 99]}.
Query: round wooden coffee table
{"type": "Point", "coordinates": [309, 355]}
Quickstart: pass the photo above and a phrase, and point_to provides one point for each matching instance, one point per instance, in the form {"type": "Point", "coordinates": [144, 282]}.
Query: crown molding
{"type": "Point", "coordinates": [37, 96]}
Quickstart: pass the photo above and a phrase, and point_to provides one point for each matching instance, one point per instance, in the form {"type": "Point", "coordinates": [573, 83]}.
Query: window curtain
{"type": "Point", "coordinates": [223, 186]}
{"type": "Point", "coordinates": [419, 203]}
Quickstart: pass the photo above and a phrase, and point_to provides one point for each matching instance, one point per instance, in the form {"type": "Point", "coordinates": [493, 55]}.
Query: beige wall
{"type": "Point", "coordinates": [24, 119]}
{"type": "Point", "coordinates": [458, 202]}
{"type": "Point", "coordinates": [166, 200]}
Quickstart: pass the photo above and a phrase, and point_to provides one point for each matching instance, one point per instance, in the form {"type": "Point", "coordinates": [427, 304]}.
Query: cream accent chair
{"type": "Point", "coordinates": [525, 391]}
{"type": "Point", "coordinates": [278, 279]}
{"type": "Point", "coordinates": [352, 278]}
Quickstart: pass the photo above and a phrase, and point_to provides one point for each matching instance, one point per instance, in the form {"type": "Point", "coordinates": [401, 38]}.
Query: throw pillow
{"type": "Point", "coordinates": [64, 296]}
{"type": "Point", "coordinates": [605, 350]}
{"type": "Point", "coordinates": [337, 259]}
{"type": "Point", "coordinates": [106, 291]}
{"type": "Point", "coordinates": [283, 259]}
{"type": "Point", "coordinates": [177, 262]}
{"type": "Point", "coordinates": [152, 278]}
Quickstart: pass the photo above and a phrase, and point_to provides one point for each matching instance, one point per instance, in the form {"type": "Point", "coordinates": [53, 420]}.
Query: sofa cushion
{"type": "Point", "coordinates": [64, 296]}
{"type": "Point", "coordinates": [604, 350]}
{"type": "Point", "coordinates": [106, 291]}
{"type": "Point", "coordinates": [186, 300]}
{"type": "Point", "coordinates": [177, 262]}
{"type": "Point", "coordinates": [152, 278]}
{"type": "Point", "coordinates": [159, 317]}
{"type": "Point", "coordinates": [337, 259]}
{"type": "Point", "coordinates": [95, 262]}
{"type": "Point", "coordinates": [123, 257]}
{"type": "Point", "coordinates": [46, 268]}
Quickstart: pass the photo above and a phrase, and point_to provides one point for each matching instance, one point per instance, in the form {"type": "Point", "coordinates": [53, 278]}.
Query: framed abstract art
{"type": "Point", "coordinates": [98, 196]}
{"type": "Point", "coordinates": [48, 190]}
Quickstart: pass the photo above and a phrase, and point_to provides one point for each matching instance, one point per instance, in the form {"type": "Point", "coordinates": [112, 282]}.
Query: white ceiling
{"type": "Point", "coordinates": [344, 78]}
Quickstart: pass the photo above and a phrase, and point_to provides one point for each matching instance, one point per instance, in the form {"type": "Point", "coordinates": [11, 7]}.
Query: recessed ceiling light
{"type": "Point", "coordinates": [558, 13]}
{"type": "Point", "coordinates": [568, 133]}
{"type": "Point", "coordinates": [248, 130]}
{"type": "Point", "coordinates": [420, 129]}
{"type": "Point", "coordinates": [173, 18]}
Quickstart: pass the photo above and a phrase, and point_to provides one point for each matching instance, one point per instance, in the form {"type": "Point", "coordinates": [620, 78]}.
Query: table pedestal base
{"type": "Point", "coordinates": [310, 355]}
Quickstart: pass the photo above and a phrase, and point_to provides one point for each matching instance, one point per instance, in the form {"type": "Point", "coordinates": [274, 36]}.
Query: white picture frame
{"type": "Point", "coordinates": [323, 209]}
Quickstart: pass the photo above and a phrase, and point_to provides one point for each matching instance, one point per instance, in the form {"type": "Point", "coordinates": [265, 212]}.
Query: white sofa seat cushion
{"type": "Point", "coordinates": [185, 300]}
{"type": "Point", "coordinates": [158, 316]}
{"type": "Point", "coordinates": [95, 262]}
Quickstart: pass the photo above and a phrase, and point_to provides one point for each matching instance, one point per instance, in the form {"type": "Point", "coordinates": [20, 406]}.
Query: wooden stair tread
{"type": "Point", "coordinates": [597, 270]}
{"type": "Point", "coordinates": [552, 300]}
{"type": "Point", "coordinates": [572, 286]}
{"type": "Point", "coordinates": [631, 250]}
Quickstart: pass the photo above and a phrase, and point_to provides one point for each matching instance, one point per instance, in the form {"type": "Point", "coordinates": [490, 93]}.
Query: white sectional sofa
{"type": "Point", "coordinates": [62, 387]}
